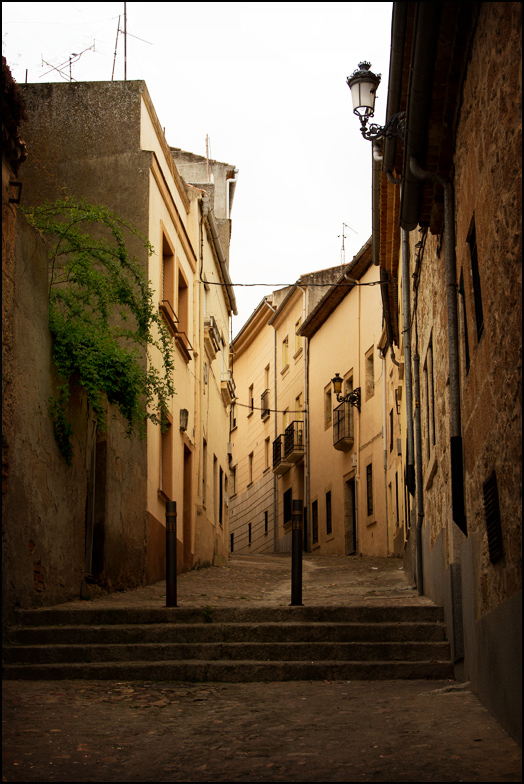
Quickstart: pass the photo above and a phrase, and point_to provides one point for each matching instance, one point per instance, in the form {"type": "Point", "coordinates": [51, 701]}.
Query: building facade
{"type": "Point", "coordinates": [103, 142]}
{"type": "Point", "coordinates": [450, 248]}
{"type": "Point", "coordinates": [291, 439]}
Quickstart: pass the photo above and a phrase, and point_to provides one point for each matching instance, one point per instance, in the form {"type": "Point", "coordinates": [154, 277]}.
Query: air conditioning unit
{"type": "Point", "coordinates": [230, 448]}
{"type": "Point", "coordinates": [354, 459]}
{"type": "Point", "coordinates": [212, 339]}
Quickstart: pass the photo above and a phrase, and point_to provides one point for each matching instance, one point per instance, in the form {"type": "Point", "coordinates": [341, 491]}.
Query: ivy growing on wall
{"type": "Point", "coordinates": [102, 319]}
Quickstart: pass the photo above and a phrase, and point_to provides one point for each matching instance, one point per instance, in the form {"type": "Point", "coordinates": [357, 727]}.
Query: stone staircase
{"type": "Point", "coordinates": [229, 644]}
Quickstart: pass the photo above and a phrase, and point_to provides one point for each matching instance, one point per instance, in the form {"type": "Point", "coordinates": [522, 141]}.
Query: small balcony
{"type": "Point", "coordinates": [227, 387]}
{"type": "Point", "coordinates": [343, 427]}
{"type": "Point", "coordinates": [264, 404]}
{"type": "Point", "coordinates": [280, 465]}
{"type": "Point", "coordinates": [166, 309]}
{"type": "Point", "coordinates": [212, 339]}
{"type": "Point", "coordinates": [294, 442]}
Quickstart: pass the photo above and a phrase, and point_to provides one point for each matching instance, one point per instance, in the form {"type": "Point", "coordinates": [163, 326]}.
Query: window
{"type": "Point", "coordinates": [369, 487]}
{"type": "Point", "coordinates": [298, 408]}
{"type": "Point", "coordinates": [430, 398]}
{"type": "Point", "coordinates": [266, 522]}
{"type": "Point", "coordinates": [267, 452]}
{"type": "Point", "coordinates": [221, 497]}
{"type": "Point", "coordinates": [266, 377]}
{"type": "Point", "coordinates": [328, 513]}
{"type": "Point", "coordinates": [204, 470]}
{"type": "Point", "coordinates": [231, 543]}
{"type": "Point", "coordinates": [249, 533]}
{"type": "Point", "coordinates": [298, 339]}
{"type": "Point", "coordinates": [479, 316]}
{"type": "Point", "coordinates": [391, 430]}
{"type": "Point", "coordinates": [250, 469]}
{"type": "Point", "coordinates": [182, 333]}
{"type": "Point", "coordinates": [233, 416]}
{"type": "Point", "coordinates": [396, 498]}
{"type": "Point", "coordinates": [462, 293]}
{"type": "Point", "coordinates": [288, 498]}
{"type": "Point", "coordinates": [285, 353]}
{"type": "Point", "coordinates": [328, 407]}
{"type": "Point", "coordinates": [233, 480]}
{"type": "Point", "coordinates": [167, 298]}
{"type": "Point", "coordinates": [285, 419]}
{"type": "Point", "coordinates": [251, 400]}
{"type": "Point", "coordinates": [370, 374]}
{"type": "Point", "coordinates": [314, 516]}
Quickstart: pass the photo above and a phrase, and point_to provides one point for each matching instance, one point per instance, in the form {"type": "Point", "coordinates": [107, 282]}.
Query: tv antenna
{"type": "Point", "coordinates": [70, 61]}
{"type": "Point", "coordinates": [343, 251]}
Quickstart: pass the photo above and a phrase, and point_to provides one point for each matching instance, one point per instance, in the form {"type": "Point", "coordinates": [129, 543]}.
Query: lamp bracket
{"type": "Point", "coordinates": [395, 126]}
{"type": "Point", "coordinates": [353, 398]}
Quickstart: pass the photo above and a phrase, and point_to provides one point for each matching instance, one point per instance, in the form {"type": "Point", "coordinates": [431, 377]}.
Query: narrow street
{"type": "Point", "coordinates": [402, 730]}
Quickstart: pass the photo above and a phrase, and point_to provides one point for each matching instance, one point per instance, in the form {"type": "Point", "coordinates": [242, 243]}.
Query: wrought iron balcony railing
{"type": "Point", "coordinates": [294, 442]}
{"type": "Point", "coordinates": [343, 427]}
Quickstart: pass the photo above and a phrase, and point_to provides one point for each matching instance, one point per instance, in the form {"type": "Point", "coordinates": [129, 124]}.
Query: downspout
{"type": "Point", "coordinates": [230, 183]}
{"type": "Point", "coordinates": [306, 412]}
{"type": "Point", "coordinates": [457, 477]}
{"type": "Point", "coordinates": [275, 488]}
{"type": "Point", "coordinates": [406, 324]}
{"type": "Point", "coordinates": [418, 452]}
{"type": "Point", "coordinates": [384, 441]}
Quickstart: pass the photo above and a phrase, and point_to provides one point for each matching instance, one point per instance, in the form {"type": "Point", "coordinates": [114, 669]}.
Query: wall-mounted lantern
{"type": "Point", "coordinates": [363, 84]}
{"type": "Point", "coordinates": [184, 416]}
{"type": "Point", "coordinates": [352, 397]}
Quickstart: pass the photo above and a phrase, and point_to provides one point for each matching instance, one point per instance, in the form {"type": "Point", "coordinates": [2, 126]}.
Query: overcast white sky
{"type": "Point", "coordinates": [266, 82]}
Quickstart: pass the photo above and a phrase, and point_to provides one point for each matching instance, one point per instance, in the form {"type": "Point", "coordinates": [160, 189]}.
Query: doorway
{"type": "Point", "coordinates": [187, 508]}
{"type": "Point", "coordinates": [350, 517]}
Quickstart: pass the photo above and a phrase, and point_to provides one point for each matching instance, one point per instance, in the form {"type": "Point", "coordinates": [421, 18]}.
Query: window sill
{"type": "Point", "coordinates": [370, 523]}
{"type": "Point", "coordinates": [163, 496]}
{"type": "Point", "coordinates": [284, 370]}
{"type": "Point", "coordinates": [298, 353]}
{"type": "Point", "coordinates": [267, 469]}
{"type": "Point", "coordinates": [250, 414]}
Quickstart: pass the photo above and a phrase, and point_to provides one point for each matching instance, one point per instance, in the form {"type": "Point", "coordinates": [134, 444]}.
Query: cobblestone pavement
{"type": "Point", "coordinates": [265, 580]}
{"type": "Point", "coordinates": [295, 731]}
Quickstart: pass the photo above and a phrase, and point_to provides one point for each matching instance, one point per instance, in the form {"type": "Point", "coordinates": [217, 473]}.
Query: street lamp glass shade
{"type": "Point", "coordinates": [363, 84]}
{"type": "Point", "coordinates": [337, 384]}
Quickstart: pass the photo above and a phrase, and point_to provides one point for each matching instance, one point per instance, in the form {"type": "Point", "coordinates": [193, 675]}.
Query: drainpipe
{"type": "Point", "coordinates": [230, 183]}
{"type": "Point", "coordinates": [275, 487]}
{"type": "Point", "coordinates": [384, 441]}
{"type": "Point", "coordinates": [457, 478]}
{"type": "Point", "coordinates": [306, 411]}
{"type": "Point", "coordinates": [418, 459]}
{"type": "Point", "coordinates": [406, 324]}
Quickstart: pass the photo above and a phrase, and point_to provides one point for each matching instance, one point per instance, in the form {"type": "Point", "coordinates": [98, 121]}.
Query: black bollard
{"type": "Point", "coordinates": [171, 554]}
{"type": "Point", "coordinates": [296, 554]}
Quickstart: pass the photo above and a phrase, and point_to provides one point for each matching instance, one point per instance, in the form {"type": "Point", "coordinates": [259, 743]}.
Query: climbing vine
{"type": "Point", "coordinates": [102, 319]}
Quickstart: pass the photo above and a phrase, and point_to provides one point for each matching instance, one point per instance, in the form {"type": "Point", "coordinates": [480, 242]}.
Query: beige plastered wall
{"type": "Point", "coordinates": [253, 352]}
{"type": "Point", "coordinates": [340, 345]}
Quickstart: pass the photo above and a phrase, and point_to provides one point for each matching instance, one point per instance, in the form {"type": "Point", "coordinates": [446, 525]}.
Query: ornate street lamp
{"type": "Point", "coordinates": [352, 397]}
{"type": "Point", "coordinates": [363, 84]}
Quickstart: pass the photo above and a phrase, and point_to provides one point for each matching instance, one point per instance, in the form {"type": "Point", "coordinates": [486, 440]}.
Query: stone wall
{"type": "Point", "coordinates": [488, 190]}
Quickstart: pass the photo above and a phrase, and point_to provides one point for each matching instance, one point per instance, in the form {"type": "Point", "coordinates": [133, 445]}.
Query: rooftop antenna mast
{"type": "Point", "coordinates": [116, 44]}
{"type": "Point", "coordinates": [343, 251]}
{"type": "Point", "coordinates": [125, 42]}
{"type": "Point", "coordinates": [59, 68]}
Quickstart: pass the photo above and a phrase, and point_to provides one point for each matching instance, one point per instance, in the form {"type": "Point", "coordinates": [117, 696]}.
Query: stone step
{"type": "Point", "coordinates": [229, 632]}
{"type": "Point", "coordinates": [237, 651]}
{"type": "Point", "coordinates": [242, 671]}
{"type": "Point", "coordinates": [65, 615]}
{"type": "Point", "coordinates": [229, 644]}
